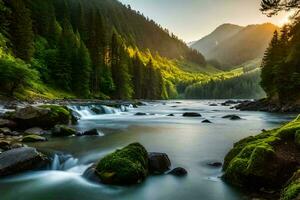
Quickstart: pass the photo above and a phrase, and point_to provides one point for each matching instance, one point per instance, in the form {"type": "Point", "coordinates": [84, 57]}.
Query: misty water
{"type": "Point", "coordinates": [188, 142]}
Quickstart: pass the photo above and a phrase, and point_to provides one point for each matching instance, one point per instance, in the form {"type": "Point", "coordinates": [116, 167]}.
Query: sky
{"type": "Point", "coordinates": [191, 20]}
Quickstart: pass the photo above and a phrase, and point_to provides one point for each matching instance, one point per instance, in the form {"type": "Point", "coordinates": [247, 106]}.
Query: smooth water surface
{"type": "Point", "coordinates": [188, 142]}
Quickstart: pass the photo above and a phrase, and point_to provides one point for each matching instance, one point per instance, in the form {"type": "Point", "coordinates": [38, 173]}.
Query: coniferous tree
{"type": "Point", "coordinates": [20, 31]}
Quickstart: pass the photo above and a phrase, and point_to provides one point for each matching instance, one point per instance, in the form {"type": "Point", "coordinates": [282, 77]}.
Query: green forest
{"type": "Point", "coordinates": [90, 49]}
{"type": "Point", "coordinates": [280, 68]}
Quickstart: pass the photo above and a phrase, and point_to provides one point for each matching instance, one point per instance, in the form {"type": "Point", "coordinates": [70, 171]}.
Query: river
{"type": "Point", "coordinates": [188, 142]}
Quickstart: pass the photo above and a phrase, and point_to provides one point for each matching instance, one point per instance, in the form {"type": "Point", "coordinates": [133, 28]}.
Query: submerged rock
{"type": "Point", "coordinates": [170, 115]}
{"type": "Point", "coordinates": [232, 117]}
{"type": "Point", "coordinates": [191, 114]}
{"type": "Point", "coordinates": [62, 131]}
{"type": "Point", "coordinates": [125, 166]}
{"type": "Point", "coordinates": [45, 116]}
{"type": "Point", "coordinates": [159, 163]}
{"type": "Point", "coordinates": [206, 121]}
{"type": "Point", "coordinates": [19, 160]}
{"type": "Point", "coordinates": [91, 174]}
{"type": "Point", "coordinates": [179, 171]}
{"type": "Point", "coordinates": [266, 160]}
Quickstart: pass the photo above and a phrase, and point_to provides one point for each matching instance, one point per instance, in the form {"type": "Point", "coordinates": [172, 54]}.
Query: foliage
{"type": "Point", "coordinates": [280, 66]}
{"type": "Point", "coordinates": [243, 86]}
{"type": "Point", "coordinates": [272, 7]}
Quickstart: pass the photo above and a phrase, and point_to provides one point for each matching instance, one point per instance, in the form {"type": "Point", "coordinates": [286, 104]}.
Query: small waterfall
{"type": "Point", "coordinates": [63, 162]}
{"type": "Point", "coordinates": [92, 110]}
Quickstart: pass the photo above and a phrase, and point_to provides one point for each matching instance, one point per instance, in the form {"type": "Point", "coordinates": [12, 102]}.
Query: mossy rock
{"type": "Point", "coordinates": [125, 166]}
{"type": "Point", "coordinates": [45, 116]}
{"type": "Point", "coordinates": [63, 131]}
{"type": "Point", "coordinates": [256, 161]}
{"type": "Point", "coordinates": [292, 190]}
{"type": "Point", "coordinates": [33, 138]}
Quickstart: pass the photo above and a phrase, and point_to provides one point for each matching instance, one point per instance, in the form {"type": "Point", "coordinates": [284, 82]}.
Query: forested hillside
{"type": "Point", "coordinates": [242, 44]}
{"type": "Point", "coordinates": [243, 86]}
{"type": "Point", "coordinates": [90, 49]}
{"type": "Point", "coordinates": [280, 67]}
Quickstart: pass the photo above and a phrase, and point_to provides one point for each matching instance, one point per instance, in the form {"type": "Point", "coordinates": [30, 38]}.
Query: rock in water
{"type": "Point", "coordinates": [191, 114]}
{"type": "Point", "coordinates": [179, 171]}
{"type": "Point", "coordinates": [34, 138]}
{"type": "Point", "coordinates": [34, 131]}
{"type": "Point", "coordinates": [140, 114]}
{"type": "Point", "coordinates": [206, 121]}
{"type": "Point", "coordinates": [91, 174]}
{"type": "Point", "coordinates": [91, 132]}
{"type": "Point", "coordinates": [232, 117]}
{"type": "Point", "coordinates": [63, 131]}
{"type": "Point", "coordinates": [159, 163]}
{"type": "Point", "coordinates": [7, 123]}
{"type": "Point", "coordinates": [215, 164]}
{"type": "Point", "coordinates": [125, 166]}
{"type": "Point", "coordinates": [45, 116]}
{"type": "Point", "coordinates": [19, 160]}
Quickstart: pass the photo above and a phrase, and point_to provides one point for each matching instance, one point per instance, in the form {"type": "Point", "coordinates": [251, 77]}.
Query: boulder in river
{"type": "Point", "coordinates": [34, 131]}
{"type": "Point", "coordinates": [91, 132]}
{"type": "Point", "coordinates": [179, 171]}
{"type": "Point", "coordinates": [215, 164]}
{"type": "Point", "coordinates": [91, 174]}
{"type": "Point", "coordinates": [5, 123]}
{"type": "Point", "coordinates": [140, 114]}
{"type": "Point", "coordinates": [159, 163]}
{"type": "Point", "coordinates": [125, 166]}
{"type": "Point", "coordinates": [21, 159]}
{"type": "Point", "coordinates": [232, 117]}
{"type": "Point", "coordinates": [45, 116]}
{"type": "Point", "coordinates": [206, 121]}
{"type": "Point", "coordinates": [33, 138]}
{"type": "Point", "coordinates": [267, 160]}
{"type": "Point", "coordinates": [191, 114]}
{"type": "Point", "coordinates": [63, 131]}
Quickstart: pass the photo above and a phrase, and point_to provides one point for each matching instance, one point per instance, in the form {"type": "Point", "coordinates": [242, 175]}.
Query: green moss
{"type": "Point", "coordinates": [58, 114]}
{"type": "Point", "coordinates": [63, 131]}
{"type": "Point", "coordinates": [126, 166]}
{"type": "Point", "coordinates": [33, 138]}
{"type": "Point", "coordinates": [292, 190]}
{"type": "Point", "coordinates": [254, 157]}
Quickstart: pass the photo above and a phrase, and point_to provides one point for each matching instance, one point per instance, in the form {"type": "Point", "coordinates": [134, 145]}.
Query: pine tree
{"type": "Point", "coordinates": [268, 64]}
{"type": "Point", "coordinates": [20, 31]}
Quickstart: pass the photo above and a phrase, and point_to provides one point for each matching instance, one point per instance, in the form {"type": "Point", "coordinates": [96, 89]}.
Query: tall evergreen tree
{"type": "Point", "coordinates": [20, 31]}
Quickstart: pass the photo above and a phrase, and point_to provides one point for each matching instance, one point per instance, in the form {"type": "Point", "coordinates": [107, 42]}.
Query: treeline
{"type": "Point", "coordinates": [281, 65]}
{"type": "Point", "coordinates": [245, 86]}
{"type": "Point", "coordinates": [76, 46]}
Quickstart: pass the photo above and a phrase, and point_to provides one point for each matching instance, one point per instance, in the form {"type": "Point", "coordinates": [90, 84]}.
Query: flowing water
{"type": "Point", "coordinates": [188, 142]}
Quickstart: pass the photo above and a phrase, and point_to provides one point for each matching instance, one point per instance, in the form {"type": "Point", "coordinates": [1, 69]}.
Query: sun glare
{"type": "Point", "coordinates": [285, 19]}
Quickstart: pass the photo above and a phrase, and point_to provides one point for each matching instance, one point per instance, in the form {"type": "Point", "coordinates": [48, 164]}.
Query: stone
{"type": "Point", "coordinates": [91, 132]}
{"type": "Point", "coordinates": [140, 114]}
{"type": "Point", "coordinates": [34, 131]}
{"type": "Point", "coordinates": [179, 171]}
{"type": "Point", "coordinates": [7, 123]}
{"type": "Point", "coordinates": [206, 121]}
{"type": "Point", "coordinates": [191, 114]}
{"type": "Point", "coordinates": [34, 138]}
{"type": "Point", "coordinates": [159, 163]}
{"type": "Point", "coordinates": [232, 117]}
{"type": "Point", "coordinates": [215, 164]}
{"type": "Point", "coordinates": [20, 160]}
{"type": "Point", "coordinates": [63, 131]}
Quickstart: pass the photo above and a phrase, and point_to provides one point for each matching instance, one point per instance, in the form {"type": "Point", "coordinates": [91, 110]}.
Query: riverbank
{"type": "Point", "coordinates": [268, 106]}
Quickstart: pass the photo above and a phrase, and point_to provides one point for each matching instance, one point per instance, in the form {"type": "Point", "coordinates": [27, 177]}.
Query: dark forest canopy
{"type": "Point", "coordinates": [82, 47]}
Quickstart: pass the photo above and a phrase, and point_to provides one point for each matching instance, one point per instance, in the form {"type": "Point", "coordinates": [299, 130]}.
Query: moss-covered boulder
{"type": "Point", "coordinates": [63, 131]}
{"type": "Point", "coordinates": [266, 160]}
{"type": "Point", "coordinates": [292, 189]}
{"type": "Point", "coordinates": [45, 116]}
{"type": "Point", "coordinates": [125, 166]}
{"type": "Point", "coordinates": [33, 138]}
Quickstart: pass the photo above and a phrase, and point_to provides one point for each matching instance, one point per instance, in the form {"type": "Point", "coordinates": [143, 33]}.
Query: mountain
{"type": "Point", "coordinates": [209, 42]}
{"type": "Point", "coordinates": [239, 44]}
